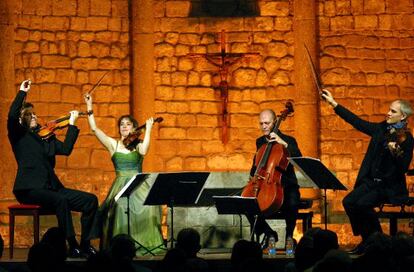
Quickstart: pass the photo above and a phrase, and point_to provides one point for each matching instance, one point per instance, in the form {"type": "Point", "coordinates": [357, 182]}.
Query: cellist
{"type": "Point", "coordinates": [289, 208]}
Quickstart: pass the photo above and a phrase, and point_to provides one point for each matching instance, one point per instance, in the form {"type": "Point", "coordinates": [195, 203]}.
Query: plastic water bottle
{"type": "Point", "coordinates": [290, 250]}
{"type": "Point", "coordinates": [271, 250]}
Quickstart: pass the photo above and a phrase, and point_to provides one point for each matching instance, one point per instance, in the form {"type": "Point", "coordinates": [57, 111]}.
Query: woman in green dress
{"type": "Point", "coordinates": [145, 221]}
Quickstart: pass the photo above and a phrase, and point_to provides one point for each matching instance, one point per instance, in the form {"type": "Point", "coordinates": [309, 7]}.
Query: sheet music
{"type": "Point", "coordinates": [119, 194]}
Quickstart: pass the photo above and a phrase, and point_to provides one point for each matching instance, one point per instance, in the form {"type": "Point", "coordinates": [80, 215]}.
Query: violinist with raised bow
{"type": "Point", "coordinates": [127, 159]}
{"type": "Point", "coordinates": [381, 178]}
{"type": "Point", "coordinates": [289, 208]}
{"type": "Point", "coordinates": [36, 181]}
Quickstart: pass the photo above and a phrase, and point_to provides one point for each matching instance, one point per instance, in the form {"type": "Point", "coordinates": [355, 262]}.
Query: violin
{"type": "Point", "coordinates": [397, 136]}
{"type": "Point", "coordinates": [48, 130]}
{"type": "Point", "coordinates": [131, 141]}
{"type": "Point", "coordinates": [270, 160]}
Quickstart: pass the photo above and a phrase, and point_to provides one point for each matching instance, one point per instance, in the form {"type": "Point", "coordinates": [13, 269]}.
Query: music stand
{"type": "Point", "coordinates": [126, 191]}
{"type": "Point", "coordinates": [174, 189]}
{"type": "Point", "coordinates": [238, 205]}
{"type": "Point", "coordinates": [314, 170]}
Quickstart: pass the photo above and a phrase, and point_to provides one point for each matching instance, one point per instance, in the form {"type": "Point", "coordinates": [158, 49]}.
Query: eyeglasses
{"type": "Point", "coordinates": [265, 123]}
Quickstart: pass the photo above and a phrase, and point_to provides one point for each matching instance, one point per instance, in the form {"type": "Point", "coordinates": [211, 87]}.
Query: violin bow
{"type": "Point", "coordinates": [97, 84]}
{"type": "Point", "coordinates": [315, 76]}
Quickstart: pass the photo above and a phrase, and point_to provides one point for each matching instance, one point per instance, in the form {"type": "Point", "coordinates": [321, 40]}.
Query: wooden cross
{"type": "Point", "coordinates": [223, 60]}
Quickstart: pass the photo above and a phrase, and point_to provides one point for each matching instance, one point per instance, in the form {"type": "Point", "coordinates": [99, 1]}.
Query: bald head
{"type": "Point", "coordinates": [266, 121]}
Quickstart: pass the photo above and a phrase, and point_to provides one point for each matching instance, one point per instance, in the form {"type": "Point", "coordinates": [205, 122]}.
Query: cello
{"type": "Point", "coordinates": [270, 161]}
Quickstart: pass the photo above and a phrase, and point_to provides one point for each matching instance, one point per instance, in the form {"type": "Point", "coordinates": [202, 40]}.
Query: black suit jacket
{"type": "Point", "coordinates": [378, 161]}
{"type": "Point", "coordinates": [288, 177]}
{"type": "Point", "coordinates": [35, 157]}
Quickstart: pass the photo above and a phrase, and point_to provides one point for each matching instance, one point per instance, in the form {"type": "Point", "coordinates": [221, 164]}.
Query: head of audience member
{"type": "Point", "coordinates": [56, 238]}
{"type": "Point", "coordinates": [174, 260]}
{"type": "Point", "coordinates": [305, 256]}
{"type": "Point", "coordinates": [402, 245]}
{"type": "Point", "coordinates": [195, 265]}
{"type": "Point", "coordinates": [323, 241]}
{"type": "Point", "coordinates": [378, 254]}
{"type": "Point", "coordinates": [334, 260]}
{"type": "Point", "coordinates": [122, 248]}
{"type": "Point", "coordinates": [42, 258]}
{"type": "Point", "coordinates": [188, 240]}
{"type": "Point", "coordinates": [244, 250]}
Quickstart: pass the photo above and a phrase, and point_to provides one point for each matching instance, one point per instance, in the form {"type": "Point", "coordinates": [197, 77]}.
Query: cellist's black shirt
{"type": "Point", "coordinates": [288, 177]}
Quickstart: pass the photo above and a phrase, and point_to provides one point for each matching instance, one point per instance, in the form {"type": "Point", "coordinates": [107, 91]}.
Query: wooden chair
{"type": "Point", "coordinates": [25, 210]}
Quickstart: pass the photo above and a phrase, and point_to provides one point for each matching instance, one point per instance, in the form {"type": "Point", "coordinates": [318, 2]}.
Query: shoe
{"type": "Point", "coordinates": [75, 253]}
{"type": "Point", "coordinates": [89, 251]}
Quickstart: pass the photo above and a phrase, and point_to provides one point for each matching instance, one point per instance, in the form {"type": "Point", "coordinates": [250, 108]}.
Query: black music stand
{"type": "Point", "coordinates": [174, 189]}
{"type": "Point", "coordinates": [314, 170]}
{"type": "Point", "coordinates": [238, 205]}
{"type": "Point", "coordinates": [126, 191]}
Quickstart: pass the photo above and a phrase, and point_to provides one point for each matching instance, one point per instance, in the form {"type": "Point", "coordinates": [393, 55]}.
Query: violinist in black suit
{"type": "Point", "coordinates": [381, 178]}
{"type": "Point", "coordinates": [36, 181]}
{"type": "Point", "coordinates": [291, 199]}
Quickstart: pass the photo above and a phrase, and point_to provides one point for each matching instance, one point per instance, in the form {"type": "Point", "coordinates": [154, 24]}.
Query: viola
{"type": "Point", "coordinates": [270, 161]}
{"type": "Point", "coordinates": [132, 140]}
{"type": "Point", "coordinates": [397, 136]}
{"type": "Point", "coordinates": [49, 129]}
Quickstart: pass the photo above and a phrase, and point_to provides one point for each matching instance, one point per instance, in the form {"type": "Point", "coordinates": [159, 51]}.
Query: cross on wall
{"type": "Point", "coordinates": [223, 60]}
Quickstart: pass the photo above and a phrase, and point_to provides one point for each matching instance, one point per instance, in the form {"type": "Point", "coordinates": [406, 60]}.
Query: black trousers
{"type": "Point", "coordinates": [289, 211]}
{"type": "Point", "coordinates": [63, 201]}
{"type": "Point", "coordinates": [359, 206]}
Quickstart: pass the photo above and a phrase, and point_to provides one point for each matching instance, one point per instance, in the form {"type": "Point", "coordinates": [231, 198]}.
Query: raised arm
{"type": "Point", "coordinates": [15, 129]}
{"type": "Point", "coordinates": [144, 146]}
{"type": "Point", "coordinates": [349, 117]}
{"type": "Point", "coordinates": [108, 142]}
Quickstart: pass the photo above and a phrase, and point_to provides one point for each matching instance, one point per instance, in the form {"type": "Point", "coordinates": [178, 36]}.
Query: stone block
{"type": "Point", "coordinates": [79, 158]}
{"type": "Point", "coordinates": [244, 77]}
{"type": "Point", "coordinates": [177, 8]}
{"type": "Point", "coordinates": [163, 49]}
{"type": "Point", "coordinates": [67, 76]}
{"type": "Point", "coordinates": [22, 35]}
{"type": "Point", "coordinates": [100, 7]}
{"type": "Point", "coordinates": [55, 23]}
{"type": "Point", "coordinates": [272, 8]}
{"type": "Point", "coordinates": [195, 163]}
{"type": "Point", "coordinates": [342, 23]}
{"type": "Point", "coordinates": [71, 94]}
{"type": "Point", "coordinates": [77, 23]}
{"type": "Point", "coordinates": [174, 164]}
{"type": "Point", "coordinates": [100, 158]}
{"type": "Point", "coordinates": [55, 61]}
{"type": "Point", "coordinates": [283, 23]}
{"type": "Point", "coordinates": [277, 49]}
{"type": "Point", "coordinates": [280, 78]}
{"type": "Point", "coordinates": [172, 133]}
{"type": "Point", "coordinates": [120, 8]}
{"type": "Point", "coordinates": [194, 133]}
{"type": "Point", "coordinates": [374, 6]}
{"type": "Point", "coordinates": [258, 24]}
{"type": "Point", "coordinates": [96, 23]}
{"type": "Point", "coordinates": [85, 63]}
{"type": "Point", "coordinates": [204, 120]}
{"type": "Point", "coordinates": [366, 21]}
{"type": "Point", "coordinates": [109, 63]}
{"type": "Point", "coordinates": [64, 7]}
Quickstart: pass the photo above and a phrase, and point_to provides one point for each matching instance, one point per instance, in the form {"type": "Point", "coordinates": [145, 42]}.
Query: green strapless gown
{"type": "Point", "coordinates": [145, 221]}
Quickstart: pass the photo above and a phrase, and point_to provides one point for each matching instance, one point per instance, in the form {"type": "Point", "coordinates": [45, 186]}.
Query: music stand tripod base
{"type": "Point", "coordinates": [126, 191]}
